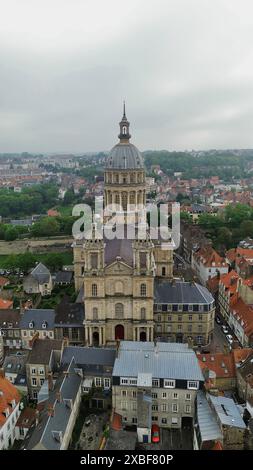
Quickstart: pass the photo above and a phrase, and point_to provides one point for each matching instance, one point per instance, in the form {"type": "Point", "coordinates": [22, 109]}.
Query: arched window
{"type": "Point", "coordinates": [163, 271]}
{"type": "Point", "coordinates": [95, 313]}
{"type": "Point", "coordinates": [117, 199]}
{"type": "Point", "coordinates": [143, 313]}
{"type": "Point", "coordinates": [94, 290]}
{"type": "Point", "coordinates": [124, 130]}
{"type": "Point", "coordinates": [119, 310]}
{"type": "Point", "coordinates": [143, 290]}
{"type": "Point", "coordinates": [132, 178]}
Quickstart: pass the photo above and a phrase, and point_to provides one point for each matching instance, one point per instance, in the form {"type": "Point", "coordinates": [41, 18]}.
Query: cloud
{"type": "Point", "coordinates": [183, 66]}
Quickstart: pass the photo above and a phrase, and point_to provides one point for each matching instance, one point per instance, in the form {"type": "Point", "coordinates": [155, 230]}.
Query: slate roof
{"type": "Point", "coordinates": [117, 247]}
{"type": "Point", "coordinates": [67, 313]}
{"type": "Point", "coordinates": [42, 437]}
{"type": "Point", "coordinates": [181, 292]}
{"type": "Point", "coordinates": [42, 349]}
{"type": "Point", "coordinates": [124, 156]}
{"type": "Point", "coordinates": [10, 317]}
{"type": "Point", "coordinates": [41, 273]}
{"type": "Point", "coordinates": [14, 364]}
{"type": "Point", "coordinates": [91, 360]}
{"type": "Point", "coordinates": [38, 317]}
{"type": "Point", "coordinates": [64, 277]}
{"type": "Point", "coordinates": [165, 360]}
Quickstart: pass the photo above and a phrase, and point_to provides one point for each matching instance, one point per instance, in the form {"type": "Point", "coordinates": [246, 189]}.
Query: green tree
{"type": "Point", "coordinates": [11, 234]}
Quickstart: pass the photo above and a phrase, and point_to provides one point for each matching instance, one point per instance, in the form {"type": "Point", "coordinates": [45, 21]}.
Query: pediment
{"type": "Point", "coordinates": [118, 267]}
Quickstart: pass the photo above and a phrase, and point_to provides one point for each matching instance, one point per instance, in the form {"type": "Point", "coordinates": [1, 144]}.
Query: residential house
{"type": "Point", "coordinates": [14, 367]}
{"type": "Point", "coordinates": [192, 238]}
{"type": "Point", "coordinates": [244, 373]}
{"type": "Point", "coordinates": [43, 359]}
{"type": "Point", "coordinates": [69, 318]}
{"type": "Point", "coordinates": [25, 422]}
{"type": "Point", "coordinates": [64, 278]}
{"type": "Point", "coordinates": [218, 420]}
{"type": "Point", "coordinates": [183, 311]}
{"type": "Point", "coordinates": [97, 366]}
{"type": "Point", "coordinates": [241, 321]}
{"type": "Point", "coordinates": [9, 411]}
{"type": "Point", "coordinates": [207, 263]}
{"type": "Point", "coordinates": [34, 321]}
{"type": "Point", "coordinates": [57, 419]}
{"type": "Point", "coordinates": [9, 326]}
{"type": "Point", "coordinates": [39, 281]}
{"type": "Point", "coordinates": [228, 286]}
{"type": "Point", "coordinates": [155, 383]}
{"type": "Point", "coordinates": [241, 259]}
{"type": "Point", "coordinates": [218, 370]}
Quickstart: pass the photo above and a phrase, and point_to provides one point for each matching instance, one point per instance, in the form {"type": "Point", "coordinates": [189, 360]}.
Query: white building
{"type": "Point", "coordinates": [9, 412]}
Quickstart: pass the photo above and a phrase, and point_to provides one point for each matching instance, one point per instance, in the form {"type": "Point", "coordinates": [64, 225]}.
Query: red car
{"type": "Point", "coordinates": [155, 433]}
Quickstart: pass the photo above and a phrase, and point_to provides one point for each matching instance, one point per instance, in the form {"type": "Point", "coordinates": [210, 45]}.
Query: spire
{"type": "Point", "coordinates": [124, 135]}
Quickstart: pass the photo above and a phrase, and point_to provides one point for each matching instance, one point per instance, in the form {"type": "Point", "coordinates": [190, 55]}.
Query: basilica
{"type": "Point", "coordinates": [126, 283]}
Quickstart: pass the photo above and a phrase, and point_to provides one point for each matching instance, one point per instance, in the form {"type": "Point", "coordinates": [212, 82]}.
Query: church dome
{"type": "Point", "coordinates": [125, 156]}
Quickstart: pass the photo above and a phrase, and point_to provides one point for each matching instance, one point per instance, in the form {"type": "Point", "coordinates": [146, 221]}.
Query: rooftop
{"type": "Point", "coordinates": [181, 292]}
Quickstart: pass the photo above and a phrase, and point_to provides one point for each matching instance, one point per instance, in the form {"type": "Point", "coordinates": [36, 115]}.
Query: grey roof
{"type": "Point", "coordinates": [208, 426]}
{"type": "Point", "coordinates": [42, 437]}
{"type": "Point", "coordinates": [14, 364]}
{"type": "Point", "coordinates": [89, 356]}
{"type": "Point", "coordinates": [69, 314]}
{"type": "Point", "coordinates": [64, 277]}
{"type": "Point", "coordinates": [181, 292]}
{"type": "Point", "coordinates": [38, 317]}
{"type": "Point", "coordinates": [119, 247]}
{"type": "Point", "coordinates": [124, 156]}
{"type": "Point", "coordinates": [165, 360]}
{"type": "Point", "coordinates": [41, 273]}
{"type": "Point", "coordinates": [42, 349]}
{"type": "Point", "coordinates": [227, 411]}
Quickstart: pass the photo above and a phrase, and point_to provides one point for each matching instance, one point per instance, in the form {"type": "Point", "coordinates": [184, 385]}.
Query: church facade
{"type": "Point", "coordinates": [118, 278]}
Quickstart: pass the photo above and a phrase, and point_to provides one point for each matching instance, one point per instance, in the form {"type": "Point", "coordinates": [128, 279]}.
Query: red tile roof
{"type": "Point", "coordinates": [209, 257]}
{"type": "Point", "coordinates": [5, 304]}
{"type": "Point", "coordinates": [4, 281]}
{"type": "Point", "coordinates": [243, 313]}
{"type": "Point", "coordinates": [220, 363]}
{"type": "Point", "coordinates": [230, 281]}
{"type": "Point", "coordinates": [9, 393]}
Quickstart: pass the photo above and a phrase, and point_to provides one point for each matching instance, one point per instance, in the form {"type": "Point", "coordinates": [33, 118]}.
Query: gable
{"type": "Point", "coordinates": [118, 268]}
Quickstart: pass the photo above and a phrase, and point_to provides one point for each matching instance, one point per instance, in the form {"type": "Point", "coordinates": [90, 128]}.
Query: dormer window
{"type": "Point", "coordinates": [31, 324]}
{"type": "Point", "coordinates": [44, 325]}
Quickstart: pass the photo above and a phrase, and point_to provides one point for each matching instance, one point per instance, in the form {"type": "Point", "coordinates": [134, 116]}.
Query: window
{"type": "Point", "coordinates": [169, 329]}
{"type": "Point", "coordinates": [175, 396]}
{"type": "Point", "coordinates": [190, 308]}
{"type": "Point", "coordinates": [24, 333]}
{"type": "Point", "coordinates": [199, 339]}
{"type": "Point", "coordinates": [188, 396]}
{"type": "Point", "coordinates": [155, 383]}
{"type": "Point", "coordinates": [199, 328]}
{"type": "Point", "coordinates": [159, 318]}
{"type": "Point", "coordinates": [189, 328]}
{"type": "Point", "coordinates": [134, 394]}
{"type": "Point", "coordinates": [41, 371]}
{"type": "Point", "coordinates": [133, 381]}
{"type": "Point", "coordinates": [124, 405]}
{"type": "Point", "coordinates": [107, 383]}
{"type": "Point", "coordinates": [179, 317]}
{"type": "Point", "coordinates": [187, 408]}
{"type": "Point", "coordinates": [95, 313]}
{"type": "Point", "coordinates": [35, 395]}
{"type": "Point", "coordinates": [169, 317]}
{"type": "Point", "coordinates": [143, 290]}
{"type": "Point", "coordinates": [33, 371]}
{"type": "Point", "coordinates": [154, 418]}
{"type": "Point", "coordinates": [94, 260]}
{"type": "Point", "coordinates": [164, 395]}
{"type": "Point", "coordinates": [34, 381]}
{"type": "Point", "coordinates": [94, 290]}
{"type": "Point", "coordinates": [123, 393]}
{"type": "Point", "coordinates": [119, 310]}
{"type": "Point", "coordinates": [123, 381]}
{"type": "Point", "coordinates": [174, 407]}
{"type": "Point", "coordinates": [174, 421]}
{"type": "Point", "coordinates": [134, 420]}
{"type": "Point", "coordinates": [169, 383]}
{"type": "Point", "coordinates": [164, 420]}
{"type": "Point", "coordinates": [174, 308]}
{"type": "Point", "coordinates": [143, 313]}
{"type": "Point", "coordinates": [154, 407]}
{"type": "Point", "coordinates": [134, 405]}
{"type": "Point", "coordinates": [190, 317]}
{"type": "Point", "coordinates": [192, 385]}
{"type": "Point", "coordinates": [41, 382]}
{"type": "Point", "coordinates": [179, 327]}
{"type": "Point", "coordinates": [163, 271]}
{"type": "Point", "coordinates": [154, 395]}
{"type": "Point", "coordinates": [98, 382]}
{"type": "Point", "coordinates": [164, 407]}
{"type": "Point", "coordinates": [200, 317]}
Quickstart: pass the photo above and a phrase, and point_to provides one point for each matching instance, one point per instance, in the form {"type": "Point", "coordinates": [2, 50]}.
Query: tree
{"type": "Point", "coordinates": [54, 261]}
{"type": "Point", "coordinates": [47, 226]}
{"type": "Point", "coordinates": [69, 197]}
{"type": "Point", "coordinates": [224, 237]}
{"type": "Point", "coordinates": [11, 234]}
{"type": "Point", "coordinates": [247, 228]}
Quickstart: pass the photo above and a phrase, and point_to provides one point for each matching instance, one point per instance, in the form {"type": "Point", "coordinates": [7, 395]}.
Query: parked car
{"type": "Point", "coordinates": [155, 433]}
{"type": "Point", "coordinates": [218, 320]}
{"type": "Point", "coordinates": [224, 329]}
{"type": "Point", "coordinates": [230, 338]}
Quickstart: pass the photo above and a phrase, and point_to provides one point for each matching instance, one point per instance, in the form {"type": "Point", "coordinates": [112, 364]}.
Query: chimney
{"type": "Point", "coordinates": [50, 381]}
{"type": "Point", "coordinates": [34, 338]}
{"type": "Point", "coordinates": [2, 373]}
{"type": "Point", "coordinates": [50, 410]}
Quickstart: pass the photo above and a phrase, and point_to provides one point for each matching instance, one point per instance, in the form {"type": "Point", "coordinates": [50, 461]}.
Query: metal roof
{"type": "Point", "coordinates": [227, 411]}
{"type": "Point", "coordinates": [181, 292]}
{"type": "Point", "coordinates": [165, 360]}
{"type": "Point", "coordinates": [124, 156]}
{"type": "Point", "coordinates": [208, 426]}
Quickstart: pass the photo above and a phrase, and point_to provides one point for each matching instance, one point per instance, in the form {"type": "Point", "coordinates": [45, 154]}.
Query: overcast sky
{"type": "Point", "coordinates": [184, 67]}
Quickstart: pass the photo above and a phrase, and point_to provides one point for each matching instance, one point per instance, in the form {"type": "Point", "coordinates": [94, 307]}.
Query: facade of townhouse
{"type": "Point", "coordinates": [43, 359]}
{"type": "Point", "coordinates": [207, 263]}
{"type": "Point", "coordinates": [9, 412]}
{"type": "Point", "coordinates": [155, 384]}
{"type": "Point", "coordinates": [183, 311]}
{"type": "Point", "coordinates": [36, 321]}
{"type": "Point", "coordinates": [10, 329]}
{"type": "Point", "coordinates": [228, 286]}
